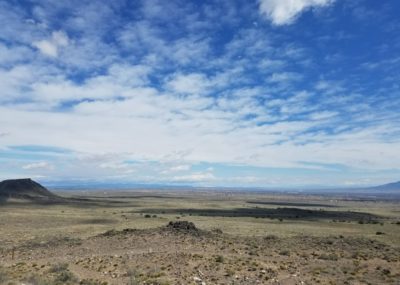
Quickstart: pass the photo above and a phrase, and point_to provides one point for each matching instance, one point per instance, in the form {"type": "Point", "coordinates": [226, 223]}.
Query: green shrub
{"type": "Point", "coordinates": [65, 277]}
{"type": "Point", "coordinates": [219, 259]}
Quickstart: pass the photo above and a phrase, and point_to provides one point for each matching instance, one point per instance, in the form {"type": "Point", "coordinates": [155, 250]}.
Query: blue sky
{"type": "Point", "coordinates": [267, 93]}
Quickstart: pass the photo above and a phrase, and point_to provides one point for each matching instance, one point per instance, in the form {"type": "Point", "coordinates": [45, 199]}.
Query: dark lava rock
{"type": "Point", "coordinates": [182, 225]}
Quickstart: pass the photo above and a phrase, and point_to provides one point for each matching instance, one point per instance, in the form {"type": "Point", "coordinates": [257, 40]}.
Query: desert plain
{"type": "Point", "coordinates": [198, 236]}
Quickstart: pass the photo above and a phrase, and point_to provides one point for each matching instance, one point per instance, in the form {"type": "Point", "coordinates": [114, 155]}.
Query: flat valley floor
{"type": "Point", "coordinates": [109, 237]}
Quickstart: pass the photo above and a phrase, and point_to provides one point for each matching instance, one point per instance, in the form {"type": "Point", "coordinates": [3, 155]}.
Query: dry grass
{"type": "Point", "coordinates": [259, 247]}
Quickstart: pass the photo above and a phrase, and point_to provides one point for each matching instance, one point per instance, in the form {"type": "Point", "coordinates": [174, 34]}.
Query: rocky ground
{"type": "Point", "coordinates": [180, 253]}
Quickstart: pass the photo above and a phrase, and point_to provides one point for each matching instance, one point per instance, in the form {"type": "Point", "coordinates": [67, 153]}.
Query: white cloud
{"type": "Point", "coordinates": [47, 48]}
{"type": "Point", "coordinates": [113, 165]}
{"type": "Point", "coordinates": [177, 168]}
{"type": "Point", "coordinates": [118, 167]}
{"type": "Point", "coordinates": [51, 46]}
{"type": "Point", "coordinates": [177, 97]}
{"type": "Point", "coordinates": [42, 165]}
{"type": "Point", "coordinates": [185, 125]}
{"type": "Point", "coordinates": [195, 177]}
{"type": "Point", "coordinates": [283, 12]}
{"type": "Point", "coordinates": [189, 84]}
{"type": "Point", "coordinates": [59, 38]}
{"type": "Point", "coordinates": [183, 167]}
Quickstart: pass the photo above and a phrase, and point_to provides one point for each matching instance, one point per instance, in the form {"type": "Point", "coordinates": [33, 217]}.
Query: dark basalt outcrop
{"type": "Point", "coordinates": [183, 226]}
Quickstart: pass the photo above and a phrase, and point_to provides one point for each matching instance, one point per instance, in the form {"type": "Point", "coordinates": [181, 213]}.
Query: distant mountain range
{"type": "Point", "coordinates": [387, 187]}
{"type": "Point", "coordinates": [29, 189]}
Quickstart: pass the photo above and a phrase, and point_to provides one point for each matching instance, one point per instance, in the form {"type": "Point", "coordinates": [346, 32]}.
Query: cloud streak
{"type": "Point", "coordinates": [284, 12]}
{"type": "Point", "coordinates": [134, 92]}
{"type": "Point", "coordinates": [43, 165]}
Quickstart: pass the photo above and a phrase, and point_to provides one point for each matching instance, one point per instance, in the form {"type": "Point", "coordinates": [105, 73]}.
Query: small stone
{"type": "Point", "coordinates": [197, 279]}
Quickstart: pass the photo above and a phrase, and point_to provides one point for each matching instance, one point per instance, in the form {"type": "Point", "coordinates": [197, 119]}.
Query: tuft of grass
{"type": "Point", "coordinates": [59, 267]}
{"type": "Point", "coordinates": [325, 256]}
{"type": "Point", "coordinates": [65, 277]}
{"type": "Point", "coordinates": [3, 276]}
{"type": "Point", "coordinates": [62, 274]}
{"type": "Point", "coordinates": [37, 280]}
{"type": "Point", "coordinates": [271, 237]}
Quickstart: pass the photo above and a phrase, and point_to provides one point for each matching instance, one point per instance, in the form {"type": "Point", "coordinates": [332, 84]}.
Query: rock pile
{"type": "Point", "coordinates": [183, 226]}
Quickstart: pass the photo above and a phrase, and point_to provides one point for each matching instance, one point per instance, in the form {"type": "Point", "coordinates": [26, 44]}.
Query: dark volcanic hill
{"type": "Point", "coordinates": [24, 188]}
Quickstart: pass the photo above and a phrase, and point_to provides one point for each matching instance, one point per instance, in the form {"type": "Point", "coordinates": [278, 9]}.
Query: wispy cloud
{"type": "Point", "coordinates": [50, 47]}
{"type": "Point", "coordinates": [282, 12]}
{"type": "Point", "coordinates": [194, 177]}
{"type": "Point", "coordinates": [172, 85]}
{"type": "Point", "coordinates": [43, 165]}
